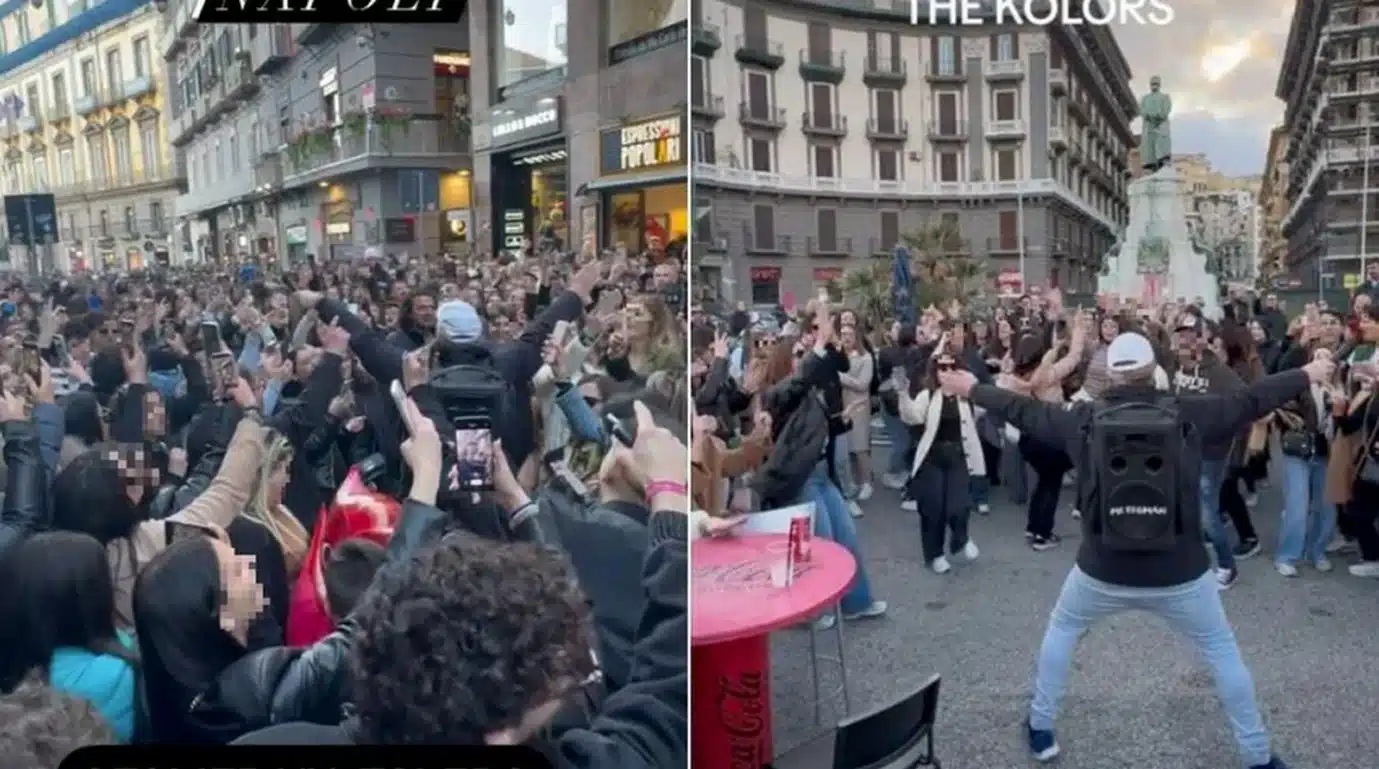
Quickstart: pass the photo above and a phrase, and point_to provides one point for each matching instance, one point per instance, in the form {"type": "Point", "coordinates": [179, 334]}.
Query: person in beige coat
{"type": "Point", "coordinates": [857, 406]}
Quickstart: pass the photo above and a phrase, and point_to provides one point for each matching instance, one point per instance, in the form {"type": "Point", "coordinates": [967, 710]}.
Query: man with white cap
{"type": "Point", "coordinates": [1171, 578]}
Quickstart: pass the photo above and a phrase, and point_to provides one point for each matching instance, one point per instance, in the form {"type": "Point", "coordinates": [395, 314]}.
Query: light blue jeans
{"type": "Point", "coordinates": [898, 462]}
{"type": "Point", "coordinates": [1308, 521]}
{"type": "Point", "coordinates": [1192, 609]}
{"type": "Point", "coordinates": [1213, 475]}
{"type": "Point", "coordinates": [842, 465]}
{"type": "Point", "coordinates": [833, 522]}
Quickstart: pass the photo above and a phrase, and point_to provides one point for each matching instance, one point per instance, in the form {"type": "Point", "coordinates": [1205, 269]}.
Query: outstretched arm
{"type": "Point", "coordinates": [1056, 424]}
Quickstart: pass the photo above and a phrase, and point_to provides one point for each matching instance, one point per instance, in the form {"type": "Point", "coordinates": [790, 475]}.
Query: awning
{"type": "Point", "coordinates": [651, 178]}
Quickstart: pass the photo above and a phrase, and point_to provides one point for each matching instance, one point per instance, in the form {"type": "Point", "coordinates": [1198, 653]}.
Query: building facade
{"type": "Point", "coordinates": [1273, 205]}
{"type": "Point", "coordinates": [580, 138]}
{"type": "Point", "coordinates": [1226, 224]}
{"type": "Point", "coordinates": [319, 140]}
{"type": "Point", "coordinates": [85, 119]}
{"type": "Point", "coordinates": [1329, 82]}
{"type": "Point", "coordinates": [824, 133]}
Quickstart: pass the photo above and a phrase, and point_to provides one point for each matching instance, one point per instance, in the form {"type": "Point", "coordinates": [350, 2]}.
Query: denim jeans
{"type": "Point", "coordinates": [979, 489]}
{"type": "Point", "coordinates": [1209, 487]}
{"type": "Point", "coordinates": [898, 461]}
{"type": "Point", "coordinates": [833, 522]}
{"type": "Point", "coordinates": [1309, 521]}
{"type": "Point", "coordinates": [842, 465]}
{"type": "Point", "coordinates": [1192, 609]}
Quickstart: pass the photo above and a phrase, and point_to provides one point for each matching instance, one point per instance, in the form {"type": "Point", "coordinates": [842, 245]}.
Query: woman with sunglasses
{"type": "Point", "coordinates": [949, 456]}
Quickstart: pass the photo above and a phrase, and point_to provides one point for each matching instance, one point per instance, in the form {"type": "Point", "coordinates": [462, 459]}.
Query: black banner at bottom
{"type": "Point", "coordinates": [306, 757]}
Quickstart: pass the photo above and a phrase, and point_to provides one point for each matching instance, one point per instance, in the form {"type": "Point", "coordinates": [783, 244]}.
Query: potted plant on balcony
{"type": "Point", "coordinates": [390, 121]}
{"type": "Point", "coordinates": [356, 122]}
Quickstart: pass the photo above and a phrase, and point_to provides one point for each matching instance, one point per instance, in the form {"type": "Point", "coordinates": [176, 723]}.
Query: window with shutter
{"type": "Point", "coordinates": [754, 24]}
{"type": "Point", "coordinates": [821, 103]}
{"type": "Point", "coordinates": [948, 113]}
{"type": "Point", "coordinates": [890, 229]}
{"type": "Point", "coordinates": [1005, 165]}
{"type": "Point", "coordinates": [820, 40]}
{"type": "Point", "coordinates": [759, 95]}
{"type": "Point", "coordinates": [948, 166]}
{"type": "Point", "coordinates": [1009, 229]}
{"type": "Point", "coordinates": [1005, 105]}
{"type": "Point", "coordinates": [699, 81]}
{"type": "Point", "coordinates": [827, 231]}
{"type": "Point", "coordinates": [888, 165]}
{"type": "Point", "coordinates": [885, 103]}
{"type": "Point", "coordinates": [946, 56]}
{"type": "Point", "coordinates": [764, 220]}
{"type": "Point", "coordinates": [761, 155]}
{"type": "Point", "coordinates": [824, 157]}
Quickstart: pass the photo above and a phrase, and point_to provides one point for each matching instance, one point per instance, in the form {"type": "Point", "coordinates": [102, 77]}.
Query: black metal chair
{"type": "Point", "coordinates": [896, 736]}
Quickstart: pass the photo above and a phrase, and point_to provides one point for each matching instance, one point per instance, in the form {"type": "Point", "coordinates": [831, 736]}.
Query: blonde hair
{"type": "Point", "coordinates": [291, 536]}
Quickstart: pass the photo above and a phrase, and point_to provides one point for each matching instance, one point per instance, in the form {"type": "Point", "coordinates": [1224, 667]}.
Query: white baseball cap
{"type": "Point", "coordinates": [1129, 352]}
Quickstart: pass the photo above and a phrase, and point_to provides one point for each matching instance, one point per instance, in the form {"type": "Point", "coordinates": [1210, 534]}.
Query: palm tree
{"type": "Point", "coordinates": [941, 270]}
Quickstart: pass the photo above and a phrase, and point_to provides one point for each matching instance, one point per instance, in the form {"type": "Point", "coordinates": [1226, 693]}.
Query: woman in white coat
{"type": "Point", "coordinates": [949, 455]}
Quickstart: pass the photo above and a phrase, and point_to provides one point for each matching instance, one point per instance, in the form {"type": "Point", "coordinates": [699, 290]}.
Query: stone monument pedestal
{"type": "Point", "coordinates": [1157, 217]}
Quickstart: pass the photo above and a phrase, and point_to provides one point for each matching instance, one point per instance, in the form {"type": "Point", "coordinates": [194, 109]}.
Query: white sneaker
{"type": "Point", "coordinates": [1340, 545]}
{"type": "Point", "coordinates": [1366, 569]}
{"type": "Point", "coordinates": [983, 509]}
{"type": "Point", "coordinates": [891, 481]}
{"type": "Point", "coordinates": [1077, 514]}
{"type": "Point", "coordinates": [970, 551]}
{"type": "Point", "coordinates": [1286, 569]}
{"type": "Point", "coordinates": [864, 493]}
{"type": "Point", "coordinates": [1323, 564]}
{"type": "Point", "coordinates": [877, 609]}
{"type": "Point", "coordinates": [942, 566]}
{"type": "Point", "coordinates": [855, 509]}
{"type": "Point", "coordinates": [909, 505]}
{"type": "Point", "coordinates": [1251, 500]}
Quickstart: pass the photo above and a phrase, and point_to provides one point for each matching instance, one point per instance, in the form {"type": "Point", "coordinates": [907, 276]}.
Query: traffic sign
{"type": "Point", "coordinates": [31, 219]}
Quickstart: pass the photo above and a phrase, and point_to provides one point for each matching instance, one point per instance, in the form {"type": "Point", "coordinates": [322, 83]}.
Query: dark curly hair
{"type": "Point", "coordinates": [465, 640]}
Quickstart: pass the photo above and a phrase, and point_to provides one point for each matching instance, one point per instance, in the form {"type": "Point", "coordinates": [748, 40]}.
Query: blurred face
{"type": "Point", "coordinates": [1270, 301]}
{"type": "Point", "coordinates": [848, 319]}
{"type": "Point", "coordinates": [664, 276]}
{"type": "Point", "coordinates": [242, 597]}
{"type": "Point", "coordinates": [277, 481]}
{"type": "Point", "coordinates": [849, 337]}
{"type": "Point", "coordinates": [1256, 331]}
{"type": "Point", "coordinates": [1332, 329]}
{"type": "Point", "coordinates": [424, 311]}
{"type": "Point", "coordinates": [449, 291]}
{"type": "Point", "coordinates": [390, 316]}
{"type": "Point", "coordinates": [155, 415]}
{"type": "Point", "coordinates": [1109, 329]}
{"type": "Point", "coordinates": [1003, 329]}
{"type": "Point", "coordinates": [895, 332]}
{"type": "Point", "coordinates": [501, 327]}
{"type": "Point", "coordinates": [1369, 329]}
{"type": "Point", "coordinates": [638, 319]}
{"type": "Point", "coordinates": [946, 362]}
{"type": "Point", "coordinates": [1186, 343]}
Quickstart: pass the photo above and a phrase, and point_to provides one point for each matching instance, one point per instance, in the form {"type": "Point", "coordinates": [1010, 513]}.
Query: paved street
{"type": "Point", "coordinates": [1137, 696]}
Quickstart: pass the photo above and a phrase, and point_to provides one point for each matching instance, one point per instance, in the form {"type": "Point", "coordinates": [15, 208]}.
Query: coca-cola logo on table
{"type": "Point", "coordinates": [741, 714]}
{"type": "Point", "coordinates": [742, 576]}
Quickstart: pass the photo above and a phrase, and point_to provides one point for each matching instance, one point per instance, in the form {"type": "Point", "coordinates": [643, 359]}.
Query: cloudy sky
{"type": "Point", "coordinates": [1219, 59]}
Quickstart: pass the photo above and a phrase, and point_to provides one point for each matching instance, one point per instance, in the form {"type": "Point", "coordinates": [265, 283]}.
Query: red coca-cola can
{"type": "Point", "coordinates": [800, 537]}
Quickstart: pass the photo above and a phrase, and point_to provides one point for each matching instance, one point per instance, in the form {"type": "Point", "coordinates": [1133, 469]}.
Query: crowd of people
{"type": "Point", "coordinates": [232, 511]}
{"type": "Point", "coordinates": [785, 402]}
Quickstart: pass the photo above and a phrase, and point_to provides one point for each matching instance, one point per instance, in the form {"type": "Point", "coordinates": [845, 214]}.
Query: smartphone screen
{"type": "Point", "coordinates": [473, 455]}
{"type": "Point", "coordinates": [210, 338]}
{"type": "Point", "coordinates": [223, 373]}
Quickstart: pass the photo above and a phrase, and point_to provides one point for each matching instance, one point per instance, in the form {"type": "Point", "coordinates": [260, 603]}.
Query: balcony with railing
{"type": "Point", "coordinates": [834, 246]}
{"type": "Point", "coordinates": [760, 51]}
{"type": "Point", "coordinates": [823, 66]}
{"type": "Point", "coordinates": [135, 87]}
{"type": "Point", "coordinates": [1004, 69]}
{"type": "Point", "coordinates": [946, 71]}
{"type": "Point", "coordinates": [707, 105]}
{"type": "Point", "coordinates": [310, 34]}
{"type": "Point", "coordinates": [1005, 129]}
{"type": "Point", "coordinates": [1005, 245]}
{"type": "Point", "coordinates": [271, 48]}
{"type": "Point", "coordinates": [761, 115]}
{"type": "Point", "coordinates": [268, 172]}
{"type": "Point", "coordinates": [947, 130]}
{"type": "Point", "coordinates": [756, 242]}
{"type": "Point", "coordinates": [884, 71]}
{"type": "Point", "coordinates": [394, 142]}
{"type": "Point", "coordinates": [180, 25]}
{"type": "Point", "coordinates": [824, 125]}
{"type": "Point", "coordinates": [888, 130]}
{"type": "Point", "coordinates": [240, 82]}
{"type": "Point", "coordinates": [60, 110]}
{"type": "Point", "coordinates": [705, 38]}
{"type": "Point", "coordinates": [89, 102]}
{"type": "Point", "coordinates": [32, 120]}
{"type": "Point", "coordinates": [1058, 81]}
{"type": "Point", "coordinates": [1058, 137]}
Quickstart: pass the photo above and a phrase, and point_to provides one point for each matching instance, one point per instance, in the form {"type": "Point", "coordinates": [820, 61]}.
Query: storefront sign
{"type": "Point", "coordinates": [521, 122]}
{"type": "Point", "coordinates": [401, 230]}
{"type": "Point", "coordinates": [765, 274]}
{"type": "Point", "coordinates": [1009, 283]}
{"type": "Point", "coordinates": [338, 228]}
{"type": "Point", "coordinates": [645, 144]}
{"type": "Point", "coordinates": [654, 40]}
{"type": "Point", "coordinates": [514, 227]}
{"type": "Point", "coordinates": [296, 235]}
{"type": "Point", "coordinates": [827, 274]}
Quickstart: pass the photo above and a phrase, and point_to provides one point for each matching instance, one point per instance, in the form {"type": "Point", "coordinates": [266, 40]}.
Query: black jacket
{"type": "Point", "coordinates": [802, 430]}
{"type": "Point", "coordinates": [25, 508]}
{"type": "Point", "coordinates": [720, 396]}
{"type": "Point", "coordinates": [281, 684]}
{"type": "Point", "coordinates": [517, 361]}
{"type": "Point", "coordinates": [1214, 418]}
{"type": "Point", "coordinates": [644, 724]}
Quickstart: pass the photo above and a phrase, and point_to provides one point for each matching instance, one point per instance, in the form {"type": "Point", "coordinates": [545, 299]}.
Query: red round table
{"type": "Point", "coordinates": [735, 608]}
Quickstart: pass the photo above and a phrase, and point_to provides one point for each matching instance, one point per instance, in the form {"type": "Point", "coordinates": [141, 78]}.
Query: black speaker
{"type": "Point", "coordinates": [1137, 447]}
